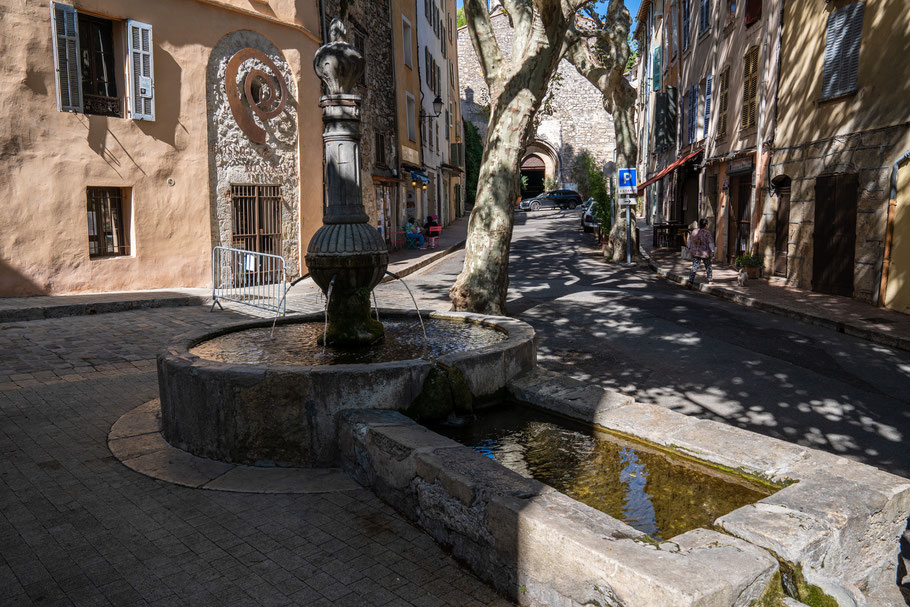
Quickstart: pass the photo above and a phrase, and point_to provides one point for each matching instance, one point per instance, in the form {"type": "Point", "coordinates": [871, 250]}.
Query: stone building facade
{"type": "Point", "coordinates": [369, 29]}
{"type": "Point", "coordinates": [829, 212]}
{"type": "Point", "coordinates": [576, 121]}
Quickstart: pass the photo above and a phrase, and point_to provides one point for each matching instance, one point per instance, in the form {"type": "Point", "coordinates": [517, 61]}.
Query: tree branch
{"type": "Point", "coordinates": [489, 55]}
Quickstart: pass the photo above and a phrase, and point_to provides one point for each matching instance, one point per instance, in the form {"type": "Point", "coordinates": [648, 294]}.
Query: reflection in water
{"type": "Point", "coordinates": [295, 344]}
{"type": "Point", "coordinates": [639, 485]}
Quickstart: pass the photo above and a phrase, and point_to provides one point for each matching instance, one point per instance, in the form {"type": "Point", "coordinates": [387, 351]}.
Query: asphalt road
{"type": "Point", "coordinates": [626, 329]}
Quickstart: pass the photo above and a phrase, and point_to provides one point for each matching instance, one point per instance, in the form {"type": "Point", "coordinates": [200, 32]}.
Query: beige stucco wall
{"type": "Point", "coordinates": [883, 72]}
{"type": "Point", "coordinates": [49, 157]}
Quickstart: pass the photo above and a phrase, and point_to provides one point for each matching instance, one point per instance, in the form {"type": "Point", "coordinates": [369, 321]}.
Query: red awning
{"type": "Point", "coordinates": [666, 171]}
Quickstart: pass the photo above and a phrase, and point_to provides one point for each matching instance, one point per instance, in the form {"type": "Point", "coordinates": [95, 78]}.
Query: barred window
{"type": "Point", "coordinates": [108, 233]}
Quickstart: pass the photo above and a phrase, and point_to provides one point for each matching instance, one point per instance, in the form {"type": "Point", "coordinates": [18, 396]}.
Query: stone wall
{"type": "Point", "coordinates": [868, 154]}
{"type": "Point", "coordinates": [372, 20]}
{"type": "Point", "coordinates": [577, 122]}
{"type": "Point", "coordinates": [238, 160]}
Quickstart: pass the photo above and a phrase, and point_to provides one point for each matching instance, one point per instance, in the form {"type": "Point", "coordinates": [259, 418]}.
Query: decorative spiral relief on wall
{"type": "Point", "coordinates": [264, 93]}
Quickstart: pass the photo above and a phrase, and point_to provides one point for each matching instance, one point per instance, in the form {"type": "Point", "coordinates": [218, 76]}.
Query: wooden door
{"type": "Point", "coordinates": [738, 223]}
{"type": "Point", "coordinates": [782, 231]}
{"type": "Point", "coordinates": [897, 290]}
{"type": "Point", "coordinates": [835, 233]}
{"type": "Point", "coordinates": [256, 226]}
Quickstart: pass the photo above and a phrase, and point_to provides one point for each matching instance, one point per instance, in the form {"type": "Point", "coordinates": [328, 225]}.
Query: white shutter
{"type": "Point", "coordinates": [142, 71]}
{"type": "Point", "coordinates": [65, 28]}
{"type": "Point", "coordinates": [707, 105]}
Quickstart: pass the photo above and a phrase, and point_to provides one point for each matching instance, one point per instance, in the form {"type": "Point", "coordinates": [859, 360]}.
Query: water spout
{"type": "Point", "coordinates": [376, 305]}
{"type": "Point", "coordinates": [416, 307]}
{"type": "Point", "coordinates": [283, 297]}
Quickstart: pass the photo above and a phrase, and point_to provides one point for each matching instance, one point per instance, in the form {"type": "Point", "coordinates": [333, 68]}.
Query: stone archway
{"type": "Point", "coordinates": [533, 174]}
{"type": "Point", "coordinates": [541, 161]}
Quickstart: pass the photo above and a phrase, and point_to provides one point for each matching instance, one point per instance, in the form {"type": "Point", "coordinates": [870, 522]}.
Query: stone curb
{"type": "Point", "coordinates": [846, 328]}
{"type": "Point", "coordinates": [135, 439]}
{"type": "Point", "coordinates": [99, 307]}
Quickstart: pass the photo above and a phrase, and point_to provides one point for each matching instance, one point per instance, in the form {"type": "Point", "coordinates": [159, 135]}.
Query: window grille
{"type": "Point", "coordinates": [106, 234]}
{"type": "Point", "coordinates": [256, 218]}
{"type": "Point", "coordinates": [99, 86]}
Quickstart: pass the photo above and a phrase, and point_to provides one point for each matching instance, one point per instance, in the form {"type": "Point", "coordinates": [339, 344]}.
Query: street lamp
{"type": "Point", "coordinates": [437, 107]}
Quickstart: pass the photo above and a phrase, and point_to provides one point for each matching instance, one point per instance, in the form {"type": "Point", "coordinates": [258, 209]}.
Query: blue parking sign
{"type": "Point", "coordinates": [628, 181]}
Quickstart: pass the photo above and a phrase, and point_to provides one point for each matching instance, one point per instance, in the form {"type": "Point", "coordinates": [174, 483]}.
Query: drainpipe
{"type": "Point", "coordinates": [889, 231]}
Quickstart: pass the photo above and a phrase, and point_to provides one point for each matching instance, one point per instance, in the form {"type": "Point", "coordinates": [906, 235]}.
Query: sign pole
{"type": "Point", "coordinates": [628, 234]}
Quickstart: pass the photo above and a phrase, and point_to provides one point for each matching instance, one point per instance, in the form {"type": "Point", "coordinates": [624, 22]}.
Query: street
{"type": "Point", "coordinates": [626, 329]}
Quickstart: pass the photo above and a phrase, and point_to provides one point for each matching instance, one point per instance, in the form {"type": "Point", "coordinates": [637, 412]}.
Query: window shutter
{"type": "Point", "coordinates": [842, 43]}
{"type": "Point", "coordinates": [142, 71]}
{"type": "Point", "coordinates": [707, 105]}
{"type": "Point", "coordinates": [686, 10]}
{"type": "Point", "coordinates": [65, 27]}
{"type": "Point", "coordinates": [655, 76]}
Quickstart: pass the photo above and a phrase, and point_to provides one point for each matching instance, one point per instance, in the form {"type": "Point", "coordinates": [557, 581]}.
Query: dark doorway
{"type": "Point", "coordinates": [690, 198]}
{"type": "Point", "coordinates": [533, 172]}
{"type": "Point", "coordinates": [835, 233]}
{"type": "Point", "coordinates": [738, 225]}
{"type": "Point", "coordinates": [781, 225]}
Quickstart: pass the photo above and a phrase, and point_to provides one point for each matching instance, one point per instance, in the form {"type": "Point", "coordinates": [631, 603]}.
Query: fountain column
{"type": "Point", "coordinates": [346, 257]}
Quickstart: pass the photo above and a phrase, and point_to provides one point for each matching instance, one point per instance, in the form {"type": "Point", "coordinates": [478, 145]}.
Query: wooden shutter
{"type": "Point", "coordinates": [655, 76]}
{"type": "Point", "coordinates": [842, 43]}
{"type": "Point", "coordinates": [65, 28]}
{"type": "Point", "coordinates": [707, 105]}
{"type": "Point", "coordinates": [142, 71]}
{"type": "Point", "coordinates": [724, 101]}
{"type": "Point", "coordinates": [693, 112]}
{"type": "Point", "coordinates": [750, 88]}
{"type": "Point", "coordinates": [686, 10]}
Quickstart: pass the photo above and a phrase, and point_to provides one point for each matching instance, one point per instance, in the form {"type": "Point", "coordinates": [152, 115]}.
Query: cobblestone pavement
{"type": "Point", "coordinates": [79, 528]}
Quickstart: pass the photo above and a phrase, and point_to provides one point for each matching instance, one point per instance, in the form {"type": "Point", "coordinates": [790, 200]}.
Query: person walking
{"type": "Point", "coordinates": [701, 245]}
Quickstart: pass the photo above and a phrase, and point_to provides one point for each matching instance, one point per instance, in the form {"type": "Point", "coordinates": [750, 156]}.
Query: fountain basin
{"type": "Point", "coordinates": [285, 414]}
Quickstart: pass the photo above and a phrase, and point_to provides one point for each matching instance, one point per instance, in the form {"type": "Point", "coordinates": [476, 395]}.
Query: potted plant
{"type": "Point", "coordinates": [749, 263]}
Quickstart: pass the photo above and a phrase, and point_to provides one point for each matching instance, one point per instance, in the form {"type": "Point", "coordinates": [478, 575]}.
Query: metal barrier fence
{"type": "Point", "coordinates": [250, 278]}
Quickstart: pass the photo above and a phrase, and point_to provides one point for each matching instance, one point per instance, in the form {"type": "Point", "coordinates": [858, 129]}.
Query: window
{"type": "Point", "coordinates": [107, 232]}
{"type": "Point", "coordinates": [99, 85]}
{"type": "Point", "coordinates": [686, 13]}
{"type": "Point", "coordinates": [724, 100]}
{"type": "Point", "coordinates": [704, 16]}
{"type": "Point", "coordinates": [379, 154]}
{"type": "Point", "coordinates": [428, 11]}
{"type": "Point", "coordinates": [753, 11]}
{"type": "Point", "coordinates": [842, 42]}
{"type": "Point", "coordinates": [674, 30]}
{"type": "Point", "coordinates": [750, 88]}
{"type": "Point", "coordinates": [731, 10]}
{"type": "Point", "coordinates": [449, 29]}
{"type": "Point", "coordinates": [86, 56]}
{"type": "Point", "coordinates": [411, 110]}
{"type": "Point", "coordinates": [360, 43]}
{"type": "Point", "coordinates": [443, 47]}
{"type": "Point", "coordinates": [407, 42]}
{"type": "Point", "coordinates": [655, 76]}
{"type": "Point", "coordinates": [693, 113]}
{"type": "Point", "coordinates": [256, 226]}
{"type": "Point", "coordinates": [451, 74]}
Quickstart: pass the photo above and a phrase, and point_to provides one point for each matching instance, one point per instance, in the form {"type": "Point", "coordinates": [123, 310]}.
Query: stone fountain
{"type": "Point", "coordinates": [262, 412]}
{"type": "Point", "coordinates": [346, 257]}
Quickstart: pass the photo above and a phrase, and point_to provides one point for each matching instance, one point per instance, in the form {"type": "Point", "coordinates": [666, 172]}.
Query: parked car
{"type": "Point", "coordinates": [557, 199]}
{"type": "Point", "coordinates": [588, 223]}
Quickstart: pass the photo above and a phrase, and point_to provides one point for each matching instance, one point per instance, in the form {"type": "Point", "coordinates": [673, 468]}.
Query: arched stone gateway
{"type": "Point", "coordinates": [251, 100]}
{"type": "Point", "coordinates": [539, 165]}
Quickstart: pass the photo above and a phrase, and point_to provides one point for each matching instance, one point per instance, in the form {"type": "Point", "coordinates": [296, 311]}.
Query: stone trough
{"type": "Point", "coordinates": [838, 524]}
